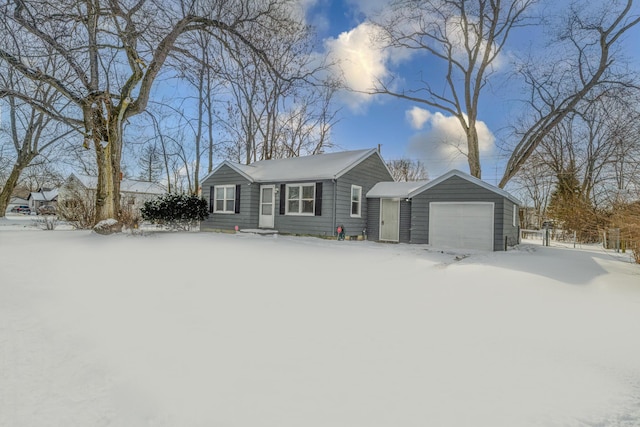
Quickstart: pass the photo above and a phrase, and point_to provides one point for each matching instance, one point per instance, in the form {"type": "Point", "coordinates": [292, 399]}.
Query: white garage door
{"type": "Point", "coordinates": [461, 225]}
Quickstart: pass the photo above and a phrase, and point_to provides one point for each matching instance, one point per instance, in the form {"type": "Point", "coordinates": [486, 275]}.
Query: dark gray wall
{"type": "Point", "coordinates": [373, 220]}
{"type": "Point", "coordinates": [509, 231]}
{"type": "Point", "coordinates": [249, 201]}
{"type": "Point", "coordinates": [366, 174]}
{"type": "Point", "coordinates": [321, 225]}
{"type": "Point", "coordinates": [456, 189]}
{"type": "Point", "coordinates": [405, 221]}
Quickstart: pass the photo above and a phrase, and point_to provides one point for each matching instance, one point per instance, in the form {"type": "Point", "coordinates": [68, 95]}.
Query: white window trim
{"type": "Point", "coordinates": [359, 214]}
{"type": "Point", "coordinates": [224, 203]}
{"type": "Point", "coordinates": [515, 210]}
{"type": "Point", "coordinates": [300, 199]}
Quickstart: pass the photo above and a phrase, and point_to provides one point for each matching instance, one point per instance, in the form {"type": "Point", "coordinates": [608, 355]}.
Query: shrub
{"type": "Point", "coordinates": [178, 211]}
{"type": "Point", "coordinates": [626, 218]}
{"type": "Point", "coordinates": [78, 208]}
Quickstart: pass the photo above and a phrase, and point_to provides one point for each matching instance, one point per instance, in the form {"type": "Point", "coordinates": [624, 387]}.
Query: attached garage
{"type": "Point", "coordinates": [455, 210]}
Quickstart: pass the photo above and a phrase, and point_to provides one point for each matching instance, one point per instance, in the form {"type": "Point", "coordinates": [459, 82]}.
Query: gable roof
{"type": "Point", "coordinates": [126, 185]}
{"type": "Point", "coordinates": [44, 195]}
{"type": "Point", "coordinates": [410, 189]}
{"type": "Point", "coordinates": [394, 189]}
{"type": "Point", "coordinates": [314, 167]}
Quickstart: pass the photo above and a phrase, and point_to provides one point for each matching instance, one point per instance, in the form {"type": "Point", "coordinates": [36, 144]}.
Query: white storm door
{"type": "Point", "coordinates": [464, 225]}
{"type": "Point", "coordinates": [267, 206]}
{"type": "Point", "coordinates": [390, 220]}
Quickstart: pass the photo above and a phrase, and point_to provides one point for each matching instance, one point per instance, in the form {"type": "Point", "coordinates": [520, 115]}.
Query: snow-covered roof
{"type": "Point", "coordinates": [315, 167]}
{"type": "Point", "coordinates": [18, 201]}
{"type": "Point", "coordinates": [394, 189]}
{"type": "Point", "coordinates": [126, 185]}
{"type": "Point", "coordinates": [44, 196]}
{"type": "Point", "coordinates": [405, 189]}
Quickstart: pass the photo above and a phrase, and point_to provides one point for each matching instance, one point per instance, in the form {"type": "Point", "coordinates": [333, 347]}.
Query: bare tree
{"type": "Point", "coordinates": [535, 183]}
{"type": "Point", "coordinates": [201, 70]}
{"type": "Point", "coordinates": [278, 114]}
{"type": "Point", "coordinates": [111, 52]}
{"type": "Point", "coordinates": [466, 37]}
{"type": "Point", "coordinates": [31, 133]}
{"type": "Point", "coordinates": [578, 168]}
{"type": "Point", "coordinates": [588, 65]}
{"type": "Point", "coordinates": [407, 170]}
{"type": "Point", "coordinates": [598, 144]}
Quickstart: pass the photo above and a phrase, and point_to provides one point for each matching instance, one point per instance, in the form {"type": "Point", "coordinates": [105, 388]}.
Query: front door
{"type": "Point", "coordinates": [390, 220]}
{"type": "Point", "coordinates": [267, 206]}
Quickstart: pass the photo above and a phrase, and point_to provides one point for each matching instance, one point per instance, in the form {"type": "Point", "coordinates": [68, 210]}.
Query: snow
{"type": "Point", "coordinates": [395, 188]}
{"type": "Point", "coordinates": [314, 167]}
{"type": "Point", "coordinates": [213, 329]}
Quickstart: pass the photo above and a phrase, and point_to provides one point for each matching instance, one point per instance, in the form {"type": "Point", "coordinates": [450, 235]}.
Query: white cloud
{"type": "Point", "coordinates": [359, 62]}
{"type": "Point", "coordinates": [442, 145]}
{"type": "Point", "coordinates": [418, 117]}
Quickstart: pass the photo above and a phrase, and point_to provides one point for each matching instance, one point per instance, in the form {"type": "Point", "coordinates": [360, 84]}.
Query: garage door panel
{"type": "Point", "coordinates": [461, 225]}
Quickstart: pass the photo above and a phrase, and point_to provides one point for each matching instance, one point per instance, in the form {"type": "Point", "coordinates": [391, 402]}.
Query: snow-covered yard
{"type": "Point", "coordinates": [207, 329]}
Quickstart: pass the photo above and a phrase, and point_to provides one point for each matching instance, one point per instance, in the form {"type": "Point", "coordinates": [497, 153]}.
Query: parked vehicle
{"type": "Point", "coordinates": [23, 209]}
{"type": "Point", "coordinates": [47, 210]}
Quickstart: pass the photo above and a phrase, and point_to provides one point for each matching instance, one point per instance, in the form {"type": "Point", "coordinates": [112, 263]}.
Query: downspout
{"type": "Point", "coordinates": [335, 203]}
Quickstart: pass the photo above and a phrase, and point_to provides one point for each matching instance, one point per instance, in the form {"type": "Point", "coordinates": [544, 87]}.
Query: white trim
{"type": "Point", "coordinates": [515, 209]}
{"type": "Point", "coordinates": [467, 177]}
{"type": "Point", "coordinates": [224, 199]}
{"type": "Point", "coordinates": [300, 199]}
{"type": "Point", "coordinates": [359, 214]}
{"type": "Point", "coordinates": [233, 166]}
{"type": "Point", "coordinates": [273, 207]}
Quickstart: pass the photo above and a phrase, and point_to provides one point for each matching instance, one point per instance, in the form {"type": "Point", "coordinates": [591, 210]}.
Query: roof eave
{"type": "Point", "coordinates": [469, 178]}
{"type": "Point", "coordinates": [232, 166]}
{"type": "Point", "coordinates": [356, 162]}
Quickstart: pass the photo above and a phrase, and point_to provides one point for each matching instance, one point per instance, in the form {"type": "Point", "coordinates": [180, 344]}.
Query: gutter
{"type": "Point", "coordinates": [335, 205]}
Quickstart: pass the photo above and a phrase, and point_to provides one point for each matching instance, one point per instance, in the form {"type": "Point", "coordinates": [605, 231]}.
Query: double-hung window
{"type": "Point", "coordinates": [356, 201]}
{"type": "Point", "coordinates": [300, 199]}
{"type": "Point", "coordinates": [225, 199]}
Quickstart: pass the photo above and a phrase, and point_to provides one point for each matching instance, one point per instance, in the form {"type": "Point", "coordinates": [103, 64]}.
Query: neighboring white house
{"type": "Point", "coordinates": [16, 201]}
{"type": "Point", "coordinates": [133, 193]}
{"type": "Point", "coordinates": [42, 197]}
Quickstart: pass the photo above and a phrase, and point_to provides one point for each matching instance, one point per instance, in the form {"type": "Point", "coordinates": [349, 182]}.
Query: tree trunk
{"type": "Point", "coordinates": [10, 185]}
{"type": "Point", "coordinates": [473, 151]}
{"type": "Point", "coordinates": [108, 155]}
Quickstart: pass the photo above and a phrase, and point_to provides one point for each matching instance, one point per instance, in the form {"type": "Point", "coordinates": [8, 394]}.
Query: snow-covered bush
{"type": "Point", "coordinates": [178, 211]}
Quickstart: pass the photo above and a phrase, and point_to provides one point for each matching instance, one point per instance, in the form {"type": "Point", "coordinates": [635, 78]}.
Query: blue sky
{"type": "Point", "coordinates": [406, 129]}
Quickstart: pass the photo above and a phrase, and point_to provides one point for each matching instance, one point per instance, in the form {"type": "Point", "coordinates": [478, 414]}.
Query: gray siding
{"type": "Point", "coordinates": [510, 232]}
{"type": "Point", "coordinates": [373, 220]}
{"type": "Point", "coordinates": [321, 225]}
{"type": "Point", "coordinates": [336, 202]}
{"type": "Point", "coordinates": [366, 174]}
{"type": "Point", "coordinates": [405, 221]}
{"type": "Point", "coordinates": [456, 189]}
{"type": "Point", "coordinates": [249, 201]}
